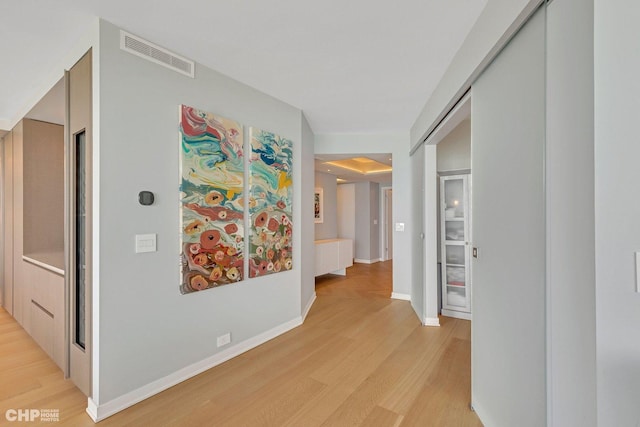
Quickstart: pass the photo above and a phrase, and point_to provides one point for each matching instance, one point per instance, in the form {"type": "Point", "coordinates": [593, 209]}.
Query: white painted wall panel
{"type": "Point", "coordinates": [617, 205]}
{"type": "Point", "coordinates": [508, 302]}
{"type": "Point", "coordinates": [147, 329]}
{"type": "Point", "coordinates": [346, 207]}
{"type": "Point", "coordinates": [416, 232]}
{"type": "Point", "coordinates": [570, 214]}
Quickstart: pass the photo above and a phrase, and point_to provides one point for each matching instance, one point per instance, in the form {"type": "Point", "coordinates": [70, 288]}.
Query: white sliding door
{"type": "Point", "coordinates": [508, 302]}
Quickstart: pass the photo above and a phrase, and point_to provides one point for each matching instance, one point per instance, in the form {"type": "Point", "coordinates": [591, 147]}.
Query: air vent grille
{"type": "Point", "coordinates": [157, 54]}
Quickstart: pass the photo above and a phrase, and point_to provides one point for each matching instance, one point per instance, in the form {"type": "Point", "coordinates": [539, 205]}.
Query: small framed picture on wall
{"type": "Point", "coordinates": [317, 206]}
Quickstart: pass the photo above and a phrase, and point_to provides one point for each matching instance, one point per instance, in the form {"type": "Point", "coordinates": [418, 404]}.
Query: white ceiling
{"type": "Point", "coordinates": [351, 176]}
{"type": "Point", "coordinates": [351, 66]}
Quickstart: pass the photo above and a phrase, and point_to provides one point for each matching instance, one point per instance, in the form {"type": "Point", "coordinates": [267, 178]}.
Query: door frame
{"type": "Point", "coordinates": [79, 119]}
{"type": "Point", "coordinates": [460, 112]}
{"type": "Point", "coordinates": [386, 224]}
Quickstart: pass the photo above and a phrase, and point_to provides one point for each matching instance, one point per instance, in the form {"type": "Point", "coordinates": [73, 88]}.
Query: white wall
{"type": "Point", "coordinates": [367, 226]}
{"type": "Point", "coordinates": [490, 31]}
{"type": "Point", "coordinates": [430, 241]}
{"type": "Point", "coordinates": [328, 229]}
{"type": "Point", "coordinates": [347, 211]}
{"type": "Point", "coordinates": [417, 291]}
{"type": "Point", "coordinates": [571, 340]}
{"type": "Point", "coordinates": [308, 291]}
{"type": "Point", "coordinates": [146, 329]}
{"type": "Point", "coordinates": [363, 217]}
{"type": "Point", "coordinates": [374, 221]}
{"type": "Point", "coordinates": [454, 151]}
{"type": "Point", "coordinates": [617, 209]}
{"type": "Point", "coordinates": [395, 143]}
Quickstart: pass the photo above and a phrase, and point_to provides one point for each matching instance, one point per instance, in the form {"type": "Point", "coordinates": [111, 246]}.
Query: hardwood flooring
{"type": "Point", "coordinates": [360, 359]}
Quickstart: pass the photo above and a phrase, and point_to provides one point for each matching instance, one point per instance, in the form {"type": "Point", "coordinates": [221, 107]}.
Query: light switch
{"type": "Point", "coordinates": [375, 222]}
{"type": "Point", "coordinates": [145, 243]}
{"type": "Point", "coordinates": [399, 226]}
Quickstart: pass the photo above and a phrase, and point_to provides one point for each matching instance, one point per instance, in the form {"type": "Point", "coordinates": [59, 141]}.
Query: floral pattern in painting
{"type": "Point", "coordinates": [270, 208]}
{"type": "Point", "coordinates": [212, 204]}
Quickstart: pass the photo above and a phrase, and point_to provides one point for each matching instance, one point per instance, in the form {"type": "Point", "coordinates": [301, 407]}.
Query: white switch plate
{"type": "Point", "coordinates": [375, 222]}
{"type": "Point", "coordinates": [399, 226]}
{"type": "Point", "coordinates": [638, 272]}
{"type": "Point", "coordinates": [145, 243]}
{"type": "Point", "coordinates": [224, 339]}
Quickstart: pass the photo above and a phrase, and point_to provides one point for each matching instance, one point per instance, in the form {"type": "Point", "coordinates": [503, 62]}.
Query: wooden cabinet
{"type": "Point", "coordinates": [33, 239]}
{"type": "Point", "coordinates": [333, 256]}
{"type": "Point", "coordinates": [455, 231]}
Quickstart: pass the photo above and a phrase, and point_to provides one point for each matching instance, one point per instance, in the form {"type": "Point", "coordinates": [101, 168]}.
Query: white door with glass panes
{"type": "Point", "coordinates": [455, 214]}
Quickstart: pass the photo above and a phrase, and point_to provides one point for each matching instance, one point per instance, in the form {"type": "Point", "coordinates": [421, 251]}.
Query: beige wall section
{"type": "Point", "coordinates": [39, 293]}
{"type": "Point", "coordinates": [80, 118]}
{"type": "Point", "coordinates": [32, 176]}
{"type": "Point", "coordinates": [7, 218]}
{"type": "Point", "coordinates": [43, 186]}
{"type": "Point", "coordinates": [19, 295]}
{"type": "Point", "coordinates": [44, 309]}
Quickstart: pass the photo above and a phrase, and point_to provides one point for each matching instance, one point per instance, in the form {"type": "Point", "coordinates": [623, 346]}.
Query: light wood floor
{"type": "Point", "coordinates": [359, 359]}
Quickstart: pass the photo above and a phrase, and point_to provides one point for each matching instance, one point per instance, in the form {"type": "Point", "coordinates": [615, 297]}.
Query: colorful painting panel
{"type": "Point", "coordinates": [212, 203]}
{"type": "Point", "coordinates": [270, 203]}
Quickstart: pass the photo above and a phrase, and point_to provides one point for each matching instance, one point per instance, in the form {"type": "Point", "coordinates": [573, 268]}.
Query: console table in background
{"type": "Point", "coordinates": [333, 256]}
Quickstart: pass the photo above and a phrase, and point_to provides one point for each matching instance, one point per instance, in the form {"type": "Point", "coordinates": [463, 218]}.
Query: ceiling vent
{"type": "Point", "coordinates": [144, 49]}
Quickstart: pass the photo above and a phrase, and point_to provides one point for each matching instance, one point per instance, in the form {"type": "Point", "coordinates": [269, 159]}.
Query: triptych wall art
{"type": "Point", "coordinates": [213, 196]}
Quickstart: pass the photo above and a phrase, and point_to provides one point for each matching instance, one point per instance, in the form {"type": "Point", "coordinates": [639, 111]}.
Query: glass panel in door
{"type": "Point", "coordinates": [456, 296]}
{"type": "Point", "coordinates": [454, 230]}
{"type": "Point", "coordinates": [454, 199]}
{"type": "Point", "coordinates": [454, 255]}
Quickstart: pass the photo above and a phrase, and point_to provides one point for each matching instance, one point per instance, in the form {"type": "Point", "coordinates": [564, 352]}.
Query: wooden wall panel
{"type": "Point", "coordinates": [7, 222]}
{"type": "Point", "coordinates": [43, 176]}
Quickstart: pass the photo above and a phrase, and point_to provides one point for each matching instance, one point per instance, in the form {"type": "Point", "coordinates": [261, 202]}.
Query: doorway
{"type": "Point", "coordinates": [450, 220]}
{"type": "Point", "coordinates": [357, 195]}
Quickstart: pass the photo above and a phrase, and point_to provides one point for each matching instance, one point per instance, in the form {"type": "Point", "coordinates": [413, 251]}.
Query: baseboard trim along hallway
{"type": "Point", "coordinates": [105, 410]}
{"type": "Point", "coordinates": [404, 297]}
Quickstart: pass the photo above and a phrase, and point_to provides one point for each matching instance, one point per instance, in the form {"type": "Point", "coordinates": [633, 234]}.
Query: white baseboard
{"type": "Point", "coordinates": [99, 412]}
{"type": "Point", "coordinates": [366, 261]}
{"type": "Point", "coordinates": [456, 314]}
{"type": "Point", "coordinates": [480, 413]}
{"type": "Point", "coordinates": [308, 307]}
{"type": "Point", "coordinates": [92, 410]}
{"type": "Point", "coordinates": [404, 297]}
{"type": "Point", "coordinates": [431, 321]}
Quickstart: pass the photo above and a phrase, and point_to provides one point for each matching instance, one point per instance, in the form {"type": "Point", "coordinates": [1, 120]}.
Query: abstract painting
{"type": "Point", "coordinates": [212, 203]}
{"type": "Point", "coordinates": [270, 208]}
{"type": "Point", "coordinates": [318, 207]}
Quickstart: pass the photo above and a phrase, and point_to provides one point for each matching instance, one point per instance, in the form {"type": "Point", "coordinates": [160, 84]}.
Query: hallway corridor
{"type": "Point", "coordinates": [360, 358]}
